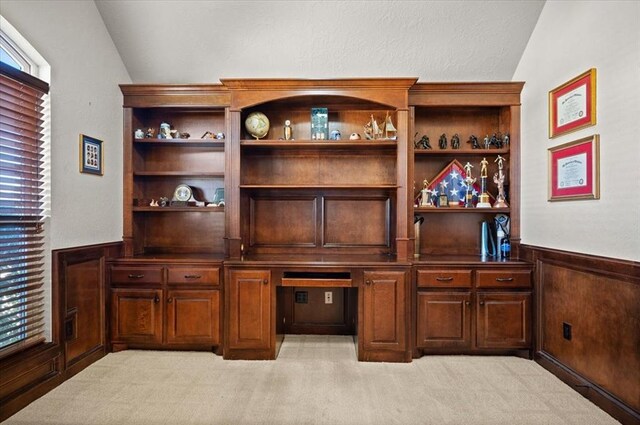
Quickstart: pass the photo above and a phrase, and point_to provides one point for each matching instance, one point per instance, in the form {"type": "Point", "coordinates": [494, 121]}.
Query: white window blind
{"type": "Point", "coordinates": [21, 210]}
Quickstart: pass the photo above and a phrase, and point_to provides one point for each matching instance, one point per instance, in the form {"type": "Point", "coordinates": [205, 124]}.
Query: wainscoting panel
{"type": "Point", "coordinates": [78, 328]}
{"type": "Point", "coordinates": [588, 326]}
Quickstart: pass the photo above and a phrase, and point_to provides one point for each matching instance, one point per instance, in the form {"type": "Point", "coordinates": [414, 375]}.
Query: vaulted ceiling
{"type": "Point", "coordinates": [202, 41]}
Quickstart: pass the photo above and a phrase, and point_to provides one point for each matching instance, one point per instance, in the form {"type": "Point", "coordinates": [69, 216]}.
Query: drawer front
{"type": "Point", "coordinates": [456, 278]}
{"type": "Point", "coordinates": [194, 275]}
{"type": "Point", "coordinates": [503, 278]}
{"type": "Point", "coordinates": [136, 275]}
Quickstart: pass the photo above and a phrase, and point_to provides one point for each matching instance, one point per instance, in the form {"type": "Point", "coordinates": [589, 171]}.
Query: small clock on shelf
{"type": "Point", "coordinates": [182, 195]}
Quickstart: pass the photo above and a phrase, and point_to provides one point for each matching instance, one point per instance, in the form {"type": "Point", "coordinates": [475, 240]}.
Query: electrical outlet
{"type": "Point", "coordinates": [566, 331]}
{"type": "Point", "coordinates": [328, 297]}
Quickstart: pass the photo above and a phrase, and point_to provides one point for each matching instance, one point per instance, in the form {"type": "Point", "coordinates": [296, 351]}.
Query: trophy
{"type": "Point", "coordinates": [426, 195]}
{"type": "Point", "coordinates": [468, 199]}
{"type": "Point", "coordinates": [443, 201]}
{"type": "Point", "coordinates": [498, 179]}
{"type": "Point", "coordinates": [483, 199]}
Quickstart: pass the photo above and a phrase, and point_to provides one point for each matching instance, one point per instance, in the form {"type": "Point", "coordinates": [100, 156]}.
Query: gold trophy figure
{"type": "Point", "coordinates": [498, 179]}
{"type": "Point", "coordinates": [483, 199]}
{"type": "Point", "coordinates": [425, 200]}
{"type": "Point", "coordinates": [469, 180]}
{"type": "Point", "coordinates": [443, 201]}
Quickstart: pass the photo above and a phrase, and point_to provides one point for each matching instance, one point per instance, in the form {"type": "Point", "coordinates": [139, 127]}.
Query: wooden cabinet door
{"type": "Point", "coordinates": [384, 310]}
{"type": "Point", "coordinates": [444, 320]}
{"type": "Point", "coordinates": [136, 315]}
{"type": "Point", "coordinates": [503, 320]}
{"type": "Point", "coordinates": [193, 316]}
{"type": "Point", "coordinates": [249, 301]}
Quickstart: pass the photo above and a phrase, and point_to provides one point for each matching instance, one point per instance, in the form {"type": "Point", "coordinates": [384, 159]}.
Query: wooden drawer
{"type": "Point", "coordinates": [455, 278]}
{"type": "Point", "coordinates": [194, 275]}
{"type": "Point", "coordinates": [136, 274]}
{"type": "Point", "coordinates": [503, 278]}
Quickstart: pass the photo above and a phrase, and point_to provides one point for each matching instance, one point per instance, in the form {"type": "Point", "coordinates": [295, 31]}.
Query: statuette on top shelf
{"type": "Point", "coordinates": [455, 141]}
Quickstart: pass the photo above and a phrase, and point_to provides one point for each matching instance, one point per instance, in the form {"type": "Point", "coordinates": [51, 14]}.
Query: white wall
{"type": "Point", "coordinates": [570, 38]}
{"type": "Point", "coordinates": [85, 72]}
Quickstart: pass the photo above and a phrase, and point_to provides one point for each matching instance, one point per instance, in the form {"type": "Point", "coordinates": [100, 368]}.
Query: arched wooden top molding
{"type": "Point", "coordinates": [390, 92]}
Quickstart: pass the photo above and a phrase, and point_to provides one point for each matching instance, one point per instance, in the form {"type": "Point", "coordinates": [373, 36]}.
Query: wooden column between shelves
{"type": "Point", "coordinates": [402, 223]}
{"type": "Point", "coordinates": [232, 185]}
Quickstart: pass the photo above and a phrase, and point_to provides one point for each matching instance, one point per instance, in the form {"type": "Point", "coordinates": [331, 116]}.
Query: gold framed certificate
{"type": "Point", "coordinates": [572, 105]}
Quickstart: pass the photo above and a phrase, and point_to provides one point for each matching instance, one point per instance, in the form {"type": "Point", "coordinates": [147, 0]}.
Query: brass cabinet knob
{"type": "Point", "coordinates": [192, 276]}
{"type": "Point", "coordinates": [481, 302]}
{"type": "Point", "coordinates": [265, 281]}
{"type": "Point", "coordinates": [169, 300]}
{"type": "Point", "coordinates": [135, 276]}
{"type": "Point", "coordinates": [468, 302]}
{"type": "Point", "coordinates": [368, 281]}
{"type": "Point", "coordinates": [156, 299]}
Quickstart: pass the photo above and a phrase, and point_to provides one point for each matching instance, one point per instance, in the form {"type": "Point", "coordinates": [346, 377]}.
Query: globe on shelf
{"type": "Point", "coordinates": [257, 124]}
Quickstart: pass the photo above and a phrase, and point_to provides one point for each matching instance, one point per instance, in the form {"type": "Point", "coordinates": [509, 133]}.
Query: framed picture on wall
{"type": "Point", "coordinates": [91, 156]}
{"type": "Point", "coordinates": [574, 170]}
{"type": "Point", "coordinates": [573, 104]}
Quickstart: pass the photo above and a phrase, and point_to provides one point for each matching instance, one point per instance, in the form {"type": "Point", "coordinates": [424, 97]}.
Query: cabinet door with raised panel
{"type": "Point", "coordinates": [384, 310]}
{"type": "Point", "coordinates": [193, 316]}
{"type": "Point", "coordinates": [249, 301]}
{"type": "Point", "coordinates": [444, 320]}
{"type": "Point", "coordinates": [503, 320]}
{"type": "Point", "coordinates": [136, 315]}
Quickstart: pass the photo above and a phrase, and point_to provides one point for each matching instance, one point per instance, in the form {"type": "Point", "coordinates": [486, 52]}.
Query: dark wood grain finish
{"type": "Point", "coordinates": [174, 95]}
{"type": "Point", "coordinates": [193, 317]}
{"type": "Point", "coordinates": [136, 275]}
{"type": "Point", "coordinates": [503, 320]}
{"type": "Point", "coordinates": [444, 320]}
{"type": "Point", "coordinates": [466, 94]}
{"type": "Point", "coordinates": [136, 315]}
{"type": "Point", "coordinates": [248, 302]}
{"type": "Point", "coordinates": [286, 221]}
{"type": "Point", "coordinates": [193, 275]}
{"type": "Point", "coordinates": [356, 222]}
{"type": "Point", "coordinates": [506, 278]}
{"type": "Point", "coordinates": [444, 278]}
{"type": "Point", "coordinates": [383, 311]}
{"type": "Point", "coordinates": [600, 298]}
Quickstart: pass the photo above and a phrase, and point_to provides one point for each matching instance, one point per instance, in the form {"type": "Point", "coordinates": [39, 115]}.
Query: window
{"type": "Point", "coordinates": [22, 201]}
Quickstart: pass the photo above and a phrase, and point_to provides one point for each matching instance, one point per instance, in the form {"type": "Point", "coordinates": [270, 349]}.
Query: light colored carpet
{"type": "Point", "coordinates": [315, 380]}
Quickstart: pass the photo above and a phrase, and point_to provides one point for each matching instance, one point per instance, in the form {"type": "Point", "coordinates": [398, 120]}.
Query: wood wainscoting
{"type": "Point", "coordinates": [78, 328]}
{"type": "Point", "coordinates": [588, 326]}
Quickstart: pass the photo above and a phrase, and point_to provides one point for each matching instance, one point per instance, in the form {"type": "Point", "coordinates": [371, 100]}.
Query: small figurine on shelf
{"type": "Point", "coordinates": [150, 133]}
{"type": "Point", "coordinates": [423, 143]}
{"type": "Point", "coordinates": [354, 136]}
{"type": "Point", "coordinates": [175, 134]}
{"type": "Point", "coordinates": [469, 180]}
{"type": "Point", "coordinates": [390, 131]}
{"type": "Point", "coordinates": [498, 179]}
{"type": "Point", "coordinates": [505, 140]}
{"type": "Point", "coordinates": [208, 135]}
{"type": "Point", "coordinates": [335, 135]}
{"type": "Point", "coordinates": [139, 134]}
{"type": "Point", "coordinates": [493, 141]}
{"type": "Point", "coordinates": [483, 200]}
{"type": "Point", "coordinates": [425, 200]}
{"type": "Point", "coordinates": [219, 136]}
{"type": "Point", "coordinates": [443, 200]}
{"type": "Point", "coordinates": [165, 131]}
{"type": "Point", "coordinates": [288, 131]}
{"type": "Point", "coordinates": [442, 142]}
{"type": "Point", "coordinates": [455, 141]}
{"type": "Point", "coordinates": [486, 141]}
{"type": "Point", "coordinates": [474, 142]}
{"type": "Point", "coordinates": [184, 135]}
{"type": "Point", "coordinates": [153, 203]}
{"type": "Point", "coordinates": [164, 201]}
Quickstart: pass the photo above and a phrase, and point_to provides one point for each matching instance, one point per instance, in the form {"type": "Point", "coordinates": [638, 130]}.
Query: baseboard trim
{"type": "Point", "coordinates": [590, 390]}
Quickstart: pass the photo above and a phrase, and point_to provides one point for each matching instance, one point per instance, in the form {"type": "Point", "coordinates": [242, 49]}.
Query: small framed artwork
{"type": "Point", "coordinates": [91, 156]}
{"type": "Point", "coordinates": [574, 170]}
{"type": "Point", "coordinates": [572, 105]}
